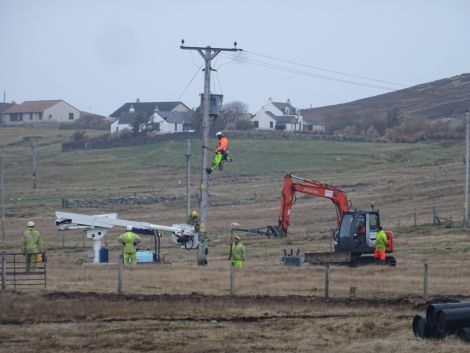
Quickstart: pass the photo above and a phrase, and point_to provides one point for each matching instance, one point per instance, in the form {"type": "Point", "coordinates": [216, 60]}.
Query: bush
{"type": "Point", "coordinates": [244, 124]}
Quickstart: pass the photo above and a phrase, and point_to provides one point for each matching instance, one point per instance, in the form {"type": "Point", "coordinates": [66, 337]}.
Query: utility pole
{"type": "Point", "coordinates": [207, 54]}
{"type": "Point", "coordinates": [188, 178]}
{"type": "Point", "coordinates": [467, 146]}
{"type": "Point", "coordinates": [33, 147]}
{"type": "Point", "coordinates": [2, 197]}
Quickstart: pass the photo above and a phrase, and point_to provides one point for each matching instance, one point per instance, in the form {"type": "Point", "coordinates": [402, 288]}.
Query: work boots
{"type": "Point", "coordinates": [208, 170]}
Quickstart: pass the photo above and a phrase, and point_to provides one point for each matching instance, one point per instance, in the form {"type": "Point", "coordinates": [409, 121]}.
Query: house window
{"type": "Point", "coordinates": [256, 124]}
{"type": "Point", "coordinates": [71, 116]}
{"type": "Point", "coordinates": [300, 126]}
{"type": "Point", "coordinates": [30, 116]}
{"type": "Point", "coordinates": [16, 117]}
{"type": "Point", "coordinates": [271, 125]}
{"type": "Point", "coordinates": [40, 116]}
{"type": "Point", "coordinates": [176, 127]}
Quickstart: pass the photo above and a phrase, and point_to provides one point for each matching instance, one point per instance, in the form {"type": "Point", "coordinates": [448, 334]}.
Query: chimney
{"type": "Point", "coordinates": [131, 109]}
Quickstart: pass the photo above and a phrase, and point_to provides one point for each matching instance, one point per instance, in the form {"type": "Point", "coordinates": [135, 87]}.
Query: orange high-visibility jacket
{"type": "Point", "coordinates": [222, 145]}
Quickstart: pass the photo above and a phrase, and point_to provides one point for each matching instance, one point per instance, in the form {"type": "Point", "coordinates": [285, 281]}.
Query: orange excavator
{"type": "Point", "coordinates": [354, 237]}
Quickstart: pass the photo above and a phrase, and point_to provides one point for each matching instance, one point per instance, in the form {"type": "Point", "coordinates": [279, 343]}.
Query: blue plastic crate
{"type": "Point", "coordinates": [143, 256]}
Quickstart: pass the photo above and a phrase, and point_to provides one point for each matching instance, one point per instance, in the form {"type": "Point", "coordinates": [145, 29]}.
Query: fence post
{"type": "Point", "coordinates": [63, 240]}
{"type": "Point", "coordinates": [434, 216]}
{"type": "Point", "coordinates": [425, 282]}
{"type": "Point", "coordinates": [4, 270]}
{"type": "Point", "coordinates": [414, 216]}
{"type": "Point", "coordinates": [120, 264]}
{"type": "Point", "coordinates": [232, 279]}
{"type": "Point", "coordinates": [327, 281]}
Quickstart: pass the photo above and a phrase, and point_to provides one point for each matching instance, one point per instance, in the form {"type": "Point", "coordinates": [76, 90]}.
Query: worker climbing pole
{"type": "Point", "coordinates": [207, 54]}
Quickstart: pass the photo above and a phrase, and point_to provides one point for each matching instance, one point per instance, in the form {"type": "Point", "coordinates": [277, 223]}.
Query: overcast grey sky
{"type": "Point", "coordinates": [99, 54]}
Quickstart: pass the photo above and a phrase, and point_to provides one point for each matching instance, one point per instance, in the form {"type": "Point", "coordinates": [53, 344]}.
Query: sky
{"type": "Point", "coordinates": [99, 54]}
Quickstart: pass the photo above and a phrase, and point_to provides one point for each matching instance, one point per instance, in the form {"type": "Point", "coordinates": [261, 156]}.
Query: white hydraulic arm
{"type": "Point", "coordinates": [96, 227]}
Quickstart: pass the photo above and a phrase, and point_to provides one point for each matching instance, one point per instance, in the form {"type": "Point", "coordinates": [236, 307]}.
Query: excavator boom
{"type": "Point", "coordinates": [293, 184]}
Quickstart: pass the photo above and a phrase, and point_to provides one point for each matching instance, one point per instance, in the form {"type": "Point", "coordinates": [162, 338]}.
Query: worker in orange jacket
{"type": "Point", "coordinates": [220, 154]}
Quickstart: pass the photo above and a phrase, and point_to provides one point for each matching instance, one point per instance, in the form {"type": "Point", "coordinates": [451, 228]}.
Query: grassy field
{"type": "Point", "coordinates": [180, 307]}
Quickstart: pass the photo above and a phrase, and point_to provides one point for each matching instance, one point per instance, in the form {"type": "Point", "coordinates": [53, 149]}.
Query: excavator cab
{"type": "Point", "coordinates": [357, 232]}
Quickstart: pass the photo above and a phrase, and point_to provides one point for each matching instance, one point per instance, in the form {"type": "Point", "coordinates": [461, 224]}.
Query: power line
{"type": "Point", "coordinates": [218, 81]}
{"type": "Point", "coordinates": [190, 81]}
{"type": "Point", "coordinates": [327, 70]}
{"type": "Point", "coordinates": [309, 74]}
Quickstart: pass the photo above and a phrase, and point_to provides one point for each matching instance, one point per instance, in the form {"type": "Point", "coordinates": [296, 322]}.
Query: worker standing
{"type": "Point", "coordinates": [32, 245]}
{"type": "Point", "coordinates": [194, 220]}
{"type": "Point", "coordinates": [238, 253]}
{"type": "Point", "coordinates": [129, 239]}
{"type": "Point", "coordinates": [221, 152]}
{"type": "Point", "coordinates": [381, 243]}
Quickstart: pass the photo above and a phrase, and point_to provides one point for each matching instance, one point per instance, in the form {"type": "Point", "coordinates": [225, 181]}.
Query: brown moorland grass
{"type": "Point", "coordinates": [180, 307]}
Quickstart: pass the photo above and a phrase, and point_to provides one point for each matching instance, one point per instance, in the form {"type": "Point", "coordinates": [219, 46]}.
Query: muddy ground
{"type": "Point", "coordinates": [86, 322]}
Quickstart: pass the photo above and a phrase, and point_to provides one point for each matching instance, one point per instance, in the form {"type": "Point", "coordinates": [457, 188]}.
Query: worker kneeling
{"type": "Point", "coordinates": [129, 239]}
{"type": "Point", "coordinates": [381, 243]}
{"type": "Point", "coordinates": [238, 253]}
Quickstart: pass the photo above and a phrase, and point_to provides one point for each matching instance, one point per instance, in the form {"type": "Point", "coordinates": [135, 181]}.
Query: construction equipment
{"type": "Point", "coordinates": [96, 227]}
{"type": "Point", "coordinates": [355, 231]}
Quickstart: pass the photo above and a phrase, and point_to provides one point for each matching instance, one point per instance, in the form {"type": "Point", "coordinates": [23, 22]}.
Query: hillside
{"type": "Point", "coordinates": [441, 100]}
{"type": "Point", "coordinates": [276, 308]}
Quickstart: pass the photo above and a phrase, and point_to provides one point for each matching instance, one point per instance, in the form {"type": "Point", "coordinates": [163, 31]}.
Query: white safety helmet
{"type": "Point", "coordinates": [30, 224]}
{"type": "Point", "coordinates": [129, 227]}
{"type": "Point", "coordinates": [219, 133]}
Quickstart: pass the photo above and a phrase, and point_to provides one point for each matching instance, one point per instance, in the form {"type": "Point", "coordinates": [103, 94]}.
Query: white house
{"type": "Point", "coordinates": [165, 117]}
{"type": "Point", "coordinates": [45, 111]}
{"type": "Point", "coordinates": [277, 115]}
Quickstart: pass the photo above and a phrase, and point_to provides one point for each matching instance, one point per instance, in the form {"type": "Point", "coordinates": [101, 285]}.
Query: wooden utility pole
{"type": "Point", "coordinates": [33, 147]}
{"type": "Point", "coordinates": [467, 143]}
{"type": "Point", "coordinates": [207, 54]}
{"type": "Point", "coordinates": [188, 179]}
{"type": "Point", "coordinates": [2, 197]}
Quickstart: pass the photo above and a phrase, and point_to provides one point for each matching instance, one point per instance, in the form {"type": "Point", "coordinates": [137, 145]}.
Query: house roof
{"type": "Point", "coordinates": [32, 106]}
{"type": "Point", "coordinates": [4, 106]}
{"type": "Point", "coordinates": [282, 107]}
{"type": "Point", "coordinates": [146, 107]}
{"type": "Point", "coordinates": [289, 119]}
{"type": "Point", "coordinates": [127, 118]}
{"type": "Point", "coordinates": [178, 117]}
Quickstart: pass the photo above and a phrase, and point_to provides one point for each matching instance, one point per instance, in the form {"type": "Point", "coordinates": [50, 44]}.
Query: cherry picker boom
{"type": "Point", "coordinates": [96, 227]}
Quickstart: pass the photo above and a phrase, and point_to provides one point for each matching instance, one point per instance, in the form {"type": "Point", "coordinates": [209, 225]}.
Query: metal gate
{"type": "Point", "coordinates": [21, 271]}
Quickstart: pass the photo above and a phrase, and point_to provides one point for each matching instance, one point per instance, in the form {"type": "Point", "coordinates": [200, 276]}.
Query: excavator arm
{"type": "Point", "coordinates": [293, 184]}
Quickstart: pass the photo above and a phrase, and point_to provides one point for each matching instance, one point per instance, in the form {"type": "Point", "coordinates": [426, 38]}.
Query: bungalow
{"type": "Point", "coordinates": [164, 117]}
{"type": "Point", "coordinates": [277, 115]}
{"type": "Point", "coordinates": [44, 111]}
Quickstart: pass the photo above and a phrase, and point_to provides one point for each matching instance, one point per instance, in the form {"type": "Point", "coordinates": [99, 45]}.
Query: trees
{"type": "Point", "coordinates": [234, 115]}
{"type": "Point", "coordinates": [141, 123]}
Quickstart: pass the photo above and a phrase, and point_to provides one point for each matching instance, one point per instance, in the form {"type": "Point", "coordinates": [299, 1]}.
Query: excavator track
{"type": "Point", "coordinates": [345, 258]}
